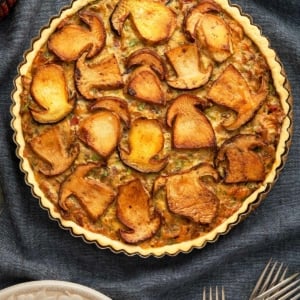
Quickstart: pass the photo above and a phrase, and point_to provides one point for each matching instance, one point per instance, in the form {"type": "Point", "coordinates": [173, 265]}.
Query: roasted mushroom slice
{"type": "Point", "coordinates": [92, 77]}
{"type": "Point", "coordinates": [144, 84]}
{"type": "Point", "coordinates": [146, 141]}
{"type": "Point", "coordinates": [239, 160]}
{"type": "Point", "coordinates": [195, 13]}
{"type": "Point", "coordinates": [189, 196]}
{"type": "Point", "coordinates": [93, 195]}
{"type": "Point", "coordinates": [56, 148]}
{"type": "Point", "coordinates": [154, 22]}
{"type": "Point", "coordinates": [213, 35]}
{"type": "Point", "coordinates": [133, 210]}
{"type": "Point", "coordinates": [232, 91]}
{"type": "Point", "coordinates": [113, 104]}
{"type": "Point", "coordinates": [71, 40]}
{"type": "Point", "coordinates": [50, 91]}
{"type": "Point", "coordinates": [191, 128]}
{"type": "Point", "coordinates": [191, 71]}
{"type": "Point", "coordinates": [101, 131]}
{"type": "Point", "coordinates": [147, 57]}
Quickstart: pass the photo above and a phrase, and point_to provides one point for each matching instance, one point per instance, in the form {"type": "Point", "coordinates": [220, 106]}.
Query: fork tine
{"type": "Point", "coordinates": [204, 294]}
{"type": "Point", "coordinates": [223, 293]}
{"type": "Point", "coordinates": [210, 293]}
{"type": "Point", "coordinates": [275, 279]}
{"type": "Point", "coordinates": [286, 292]}
{"type": "Point", "coordinates": [296, 297]}
{"type": "Point", "coordinates": [260, 280]}
{"type": "Point", "coordinates": [268, 279]}
{"type": "Point", "coordinates": [278, 287]}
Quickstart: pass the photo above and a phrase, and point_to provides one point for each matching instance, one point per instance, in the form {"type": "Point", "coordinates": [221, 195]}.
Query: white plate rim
{"type": "Point", "coordinates": [36, 286]}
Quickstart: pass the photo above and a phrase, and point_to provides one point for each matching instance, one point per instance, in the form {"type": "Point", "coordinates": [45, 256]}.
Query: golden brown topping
{"type": "Point", "coordinates": [101, 131]}
{"type": "Point", "coordinates": [56, 148]}
{"type": "Point", "coordinates": [91, 78]}
{"type": "Point", "coordinates": [70, 41]}
{"type": "Point", "coordinates": [93, 195]}
{"type": "Point", "coordinates": [232, 91]}
{"type": "Point", "coordinates": [133, 210]}
{"type": "Point", "coordinates": [147, 57]}
{"type": "Point", "coordinates": [213, 34]}
{"type": "Point", "coordinates": [188, 195]}
{"type": "Point", "coordinates": [113, 104]}
{"type": "Point", "coordinates": [191, 128]}
{"type": "Point", "coordinates": [204, 24]}
{"type": "Point", "coordinates": [144, 84]}
{"type": "Point", "coordinates": [239, 161]}
{"type": "Point", "coordinates": [49, 89]}
{"type": "Point", "coordinates": [154, 22]}
{"type": "Point", "coordinates": [190, 70]}
{"type": "Point", "coordinates": [195, 13]}
{"type": "Point", "coordinates": [146, 141]}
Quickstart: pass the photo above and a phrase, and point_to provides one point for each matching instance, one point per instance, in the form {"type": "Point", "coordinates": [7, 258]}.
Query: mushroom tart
{"type": "Point", "coordinates": [151, 127]}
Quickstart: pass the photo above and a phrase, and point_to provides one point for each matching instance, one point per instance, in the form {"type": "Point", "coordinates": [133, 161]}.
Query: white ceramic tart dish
{"type": "Point", "coordinates": [149, 127]}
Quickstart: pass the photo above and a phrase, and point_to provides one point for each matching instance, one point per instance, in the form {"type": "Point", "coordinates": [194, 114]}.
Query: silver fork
{"type": "Point", "coordinates": [272, 283]}
{"type": "Point", "coordinates": [210, 294]}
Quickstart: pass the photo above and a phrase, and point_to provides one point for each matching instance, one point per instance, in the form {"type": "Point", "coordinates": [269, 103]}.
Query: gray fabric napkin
{"type": "Point", "coordinates": [33, 247]}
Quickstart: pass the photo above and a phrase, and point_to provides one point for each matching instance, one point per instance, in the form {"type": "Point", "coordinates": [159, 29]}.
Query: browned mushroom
{"type": "Point", "coordinates": [232, 91]}
{"type": "Point", "coordinates": [147, 57]}
{"type": "Point", "coordinates": [191, 128]}
{"type": "Point", "coordinates": [189, 196]}
{"type": "Point", "coordinates": [56, 148]}
{"type": "Point", "coordinates": [190, 70]}
{"type": "Point", "coordinates": [154, 22]}
{"type": "Point", "coordinates": [71, 40]}
{"type": "Point", "coordinates": [239, 161]}
{"type": "Point", "coordinates": [195, 13]}
{"type": "Point", "coordinates": [213, 35]}
{"type": "Point", "coordinates": [113, 104]}
{"type": "Point", "coordinates": [144, 84]}
{"type": "Point", "coordinates": [133, 210]}
{"type": "Point", "coordinates": [92, 77]}
{"type": "Point", "coordinates": [101, 131]}
{"type": "Point", "coordinates": [93, 195]}
{"type": "Point", "coordinates": [146, 141]}
{"type": "Point", "coordinates": [50, 91]}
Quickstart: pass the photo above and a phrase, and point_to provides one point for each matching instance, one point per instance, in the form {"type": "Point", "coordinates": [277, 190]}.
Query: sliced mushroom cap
{"type": "Point", "coordinates": [191, 128]}
{"type": "Point", "coordinates": [190, 70]}
{"type": "Point", "coordinates": [232, 91]}
{"type": "Point", "coordinates": [146, 141]}
{"type": "Point", "coordinates": [154, 22]}
{"type": "Point", "coordinates": [56, 148]}
{"type": "Point", "coordinates": [195, 13]}
{"type": "Point", "coordinates": [213, 35]}
{"type": "Point", "coordinates": [147, 57]}
{"type": "Point", "coordinates": [92, 77]}
{"type": "Point", "coordinates": [49, 89]}
{"type": "Point", "coordinates": [70, 41]}
{"type": "Point", "coordinates": [101, 131]}
{"type": "Point", "coordinates": [133, 210]}
{"type": "Point", "coordinates": [113, 104]}
{"type": "Point", "coordinates": [239, 160]}
{"type": "Point", "coordinates": [93, 195]}
{"type": "Point", "coordinates": [189, 196]}
{"type": "Point", "coordinates": [144, 84]}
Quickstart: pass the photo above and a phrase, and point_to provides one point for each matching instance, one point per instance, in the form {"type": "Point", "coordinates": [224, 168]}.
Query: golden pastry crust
{"type": "Point", "coordinates": [164, 126]}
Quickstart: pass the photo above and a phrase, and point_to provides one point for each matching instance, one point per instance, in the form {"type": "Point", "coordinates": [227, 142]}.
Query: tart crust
{"type": "Point", "coordinates": [250, 202]}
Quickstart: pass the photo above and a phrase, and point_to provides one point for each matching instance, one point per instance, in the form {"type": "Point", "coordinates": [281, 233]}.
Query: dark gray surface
{"type": "Point", "coordinates": [32, 247]}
